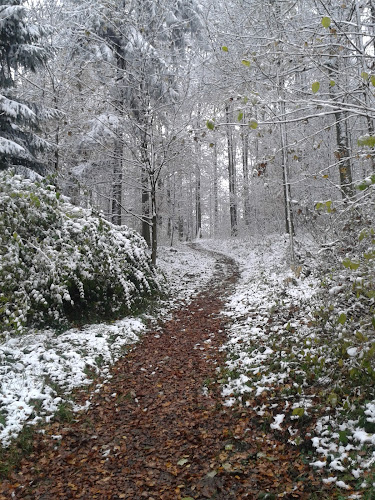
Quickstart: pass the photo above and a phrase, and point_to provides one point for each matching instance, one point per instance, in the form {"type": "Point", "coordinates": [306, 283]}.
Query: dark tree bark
{"type": "Point", "coordinates": [245, 167]}
{"type": "Point", "coordinates": [231, 173]}
{"type": "Point", "coordinates": [215, 189]}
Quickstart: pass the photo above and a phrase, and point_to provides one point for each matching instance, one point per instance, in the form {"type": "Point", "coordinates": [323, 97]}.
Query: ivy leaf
{"type": "Point", "coordinates": [253, 124]}
{"type": "Point", "coordinates": [315, 87]}
{"type": "Point", "coordinates": [361, 337]}
{"type": "Point", "coordinates": [333, 399]}
{"type": "Point", "coordinates": [224, 48]}
{"type": "Point", "coordinates": [349, 264]}
{"type": "Point", "coordinates": [326, 22]}
{"type": "Point", "coordinates": [240, 116]}
{"type": "Point", "coordinates": [210, 124]}
{"type": "Point", "coordinates": [245, 62]}
{"type": "Point", "coordinates": [365, 75]}
{"type": "Point", "coordinates": [367, 140]}
{"type": "Point", "coordinates": [372, 79]}
{"type": "Point", "coordinates": [332, 83]}
{"type": "Point", "coordinates": [342, 318]}
{"type": "Point", "coordinates": [299, 412]}
{"type": "Point", "coordinates": [343, 437]}
{"type": "Point", "coordinates": [363, 235]}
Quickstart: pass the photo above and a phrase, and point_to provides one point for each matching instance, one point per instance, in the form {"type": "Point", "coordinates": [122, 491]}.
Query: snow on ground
{"type": "Point", "coordinates": [186, 270]}
{"type": "Point", "coordinates": [280, 361]}
{"type": "Point", "coordinates": [282, 364]}
{"type": "Point", "coordinates": [39, 370]}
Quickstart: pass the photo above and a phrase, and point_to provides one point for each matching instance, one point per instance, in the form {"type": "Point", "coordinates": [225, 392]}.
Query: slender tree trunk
{"type": "Point", "coordinates": [145, 195]}
{"type": "Point", "coordinates": [172, 213]}
{"type": "Point", "coordinates": [342, 155]}
{"type": "Point", "coordinates": [153, 184]}
{"type": "Point", "coordinates": [231, 173]}
{"type": "Point", "coordinates": [198, 157]}
{"type": "Point", "coordinates": [285, 169]}
{"type": "Point", "coordinates": [180, 208]}
{"type": "Point", "coordinates": [369, 120]}
{"type": "Point", "coordinates": [154, 239]}
{"type": "Point", "coordinates": [190, 209]}
{"type": "Point", "coordinates": [198, 208]}
{"type": "Point", "coordinates": [170, 209]}
{"type": "Point", "coordinates": [342, 152]}
{"type": "Point", "coordinates": [245, 167]}
{"type": "Point", "coordinates": [117, 186]}
{"type": "Point", "coordinates": [57, 134]}
{"type": "Point", "coordinates": [215, 189]}
{"type": "Point", "coordinates": [119, 145]}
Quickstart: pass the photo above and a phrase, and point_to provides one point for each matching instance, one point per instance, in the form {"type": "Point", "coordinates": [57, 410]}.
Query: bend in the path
{"type": "Point", "coordinates": [158, 429]}
{"type": "Point", "coordinates": [151, 415]}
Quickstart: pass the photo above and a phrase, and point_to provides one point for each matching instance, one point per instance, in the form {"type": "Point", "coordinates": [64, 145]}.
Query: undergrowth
{"type": "Point", "coordinates": [306, 366]}
{"type": "Point", "coordinates": [61, 264]}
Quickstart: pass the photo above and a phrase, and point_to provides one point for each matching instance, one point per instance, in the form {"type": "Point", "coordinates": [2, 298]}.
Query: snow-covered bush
{"type": "Point", "coordinates": [59, 262]}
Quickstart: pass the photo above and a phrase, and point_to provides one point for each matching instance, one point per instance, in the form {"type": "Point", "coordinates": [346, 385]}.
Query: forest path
{"type": "Point", "coordinates": [153, 431]}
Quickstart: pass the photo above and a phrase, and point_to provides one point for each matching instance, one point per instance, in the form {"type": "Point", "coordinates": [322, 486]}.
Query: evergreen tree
{"type": "Point", "coordinates": [19, 52]}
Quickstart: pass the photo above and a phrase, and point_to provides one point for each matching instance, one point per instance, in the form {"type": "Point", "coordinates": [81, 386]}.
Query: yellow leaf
{"type": "Point", "coordinates": [315, 87]}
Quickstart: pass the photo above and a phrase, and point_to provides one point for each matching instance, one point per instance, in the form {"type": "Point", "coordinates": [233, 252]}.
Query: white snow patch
{"type": "Point", "coordinates": [278, 420]}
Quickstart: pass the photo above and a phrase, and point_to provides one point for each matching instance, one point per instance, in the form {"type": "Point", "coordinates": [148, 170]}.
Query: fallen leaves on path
{"type": "Point", "coordinates": [158, 430]}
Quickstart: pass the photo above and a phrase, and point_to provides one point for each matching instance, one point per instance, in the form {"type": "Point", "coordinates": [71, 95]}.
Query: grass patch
{"type": "Point", "coordinates": [65, 413]}
{"type": "Point", "coordinates": [11, 457]}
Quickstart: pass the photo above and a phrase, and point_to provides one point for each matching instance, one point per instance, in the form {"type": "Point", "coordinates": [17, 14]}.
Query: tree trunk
{"type": "Point", "coordinates": [154, 240]}
{"type": "Point", "coordinates": [57, 134]}
{"type": "Point", "coordinates": [360, 44]}
{"type": "Point", "coordinates": [231, 174]}
{"type": "Point", "coordinates": [145, 195]}
{"type": "Point", "coordinates": [342, 152]}
{"type": "Point", "coordinates": [198, 208]}
{"type": "Point", "coordinates": [119, 146]}
{"type": "Point", "coordinates": [180, 208]}
{"type": "Point", "coordinates": [215, 189]}
{"type": "Point", "coordinates": [117, 187]}
{"type": "Point", "coordinates": [245, 167]}
{"type": "Point", "coordinates": [198, 157]}
{"type": "Point", "coordinates": [342, 155]}
{"type": "Point", "coordinates": [190, 209]}
{"type": "Point", "coordinates": [289, 226]}
{"type": "Point", "coordinates": [170, 207]}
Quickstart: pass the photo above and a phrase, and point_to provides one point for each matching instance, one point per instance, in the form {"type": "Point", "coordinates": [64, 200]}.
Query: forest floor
{"type": "Point", "coordinates": [252, 380]}
{"type": "Point", "coordinates": [159, 429]}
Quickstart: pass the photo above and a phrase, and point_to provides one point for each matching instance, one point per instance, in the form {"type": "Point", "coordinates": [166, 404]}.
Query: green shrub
{"type": "Point", "coordinates": [59, 262]}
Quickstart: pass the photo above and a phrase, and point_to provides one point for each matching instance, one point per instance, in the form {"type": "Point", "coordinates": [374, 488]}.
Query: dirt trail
{"type": "Point", "coordinates": [153, 432]}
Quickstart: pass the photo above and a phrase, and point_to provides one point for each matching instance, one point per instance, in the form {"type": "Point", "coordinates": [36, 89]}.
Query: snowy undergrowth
{"type": "Point", "coordinates": [301, 352]}
{"type": "Point", "coordinates": [39, 369]}
{"type": "Point", "coordinates": [61, 264]}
